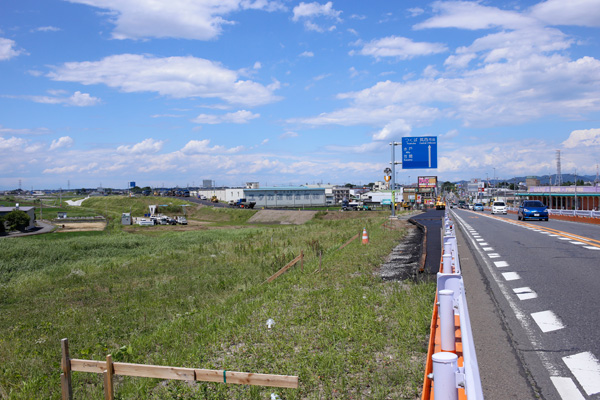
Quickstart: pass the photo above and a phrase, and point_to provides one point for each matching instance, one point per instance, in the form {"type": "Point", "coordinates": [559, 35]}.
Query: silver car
{"type": "Point", "coordinates": [499, 207]}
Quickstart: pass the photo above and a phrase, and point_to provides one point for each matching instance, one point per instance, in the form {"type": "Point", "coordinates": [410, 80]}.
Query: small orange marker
{"type": "Point", "coordinates": [365, 237]}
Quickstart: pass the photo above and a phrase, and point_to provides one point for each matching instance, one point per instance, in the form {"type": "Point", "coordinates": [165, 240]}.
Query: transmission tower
{"type": "Point", "coordinates": [558, 180]}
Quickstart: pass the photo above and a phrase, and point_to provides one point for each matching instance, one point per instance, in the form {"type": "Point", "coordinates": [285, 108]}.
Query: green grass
{"type": "Point", "coordinates": [196, 299]}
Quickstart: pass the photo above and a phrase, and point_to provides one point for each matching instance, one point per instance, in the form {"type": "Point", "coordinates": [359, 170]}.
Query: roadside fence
{"type": "Point", "coordinates": [451, 371]}
{"type": "Point", "coordinates": [109, 368]}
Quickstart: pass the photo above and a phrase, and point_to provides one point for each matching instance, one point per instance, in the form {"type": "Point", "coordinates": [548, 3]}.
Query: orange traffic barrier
{"type": "Point", "coordinates": [365, 237]}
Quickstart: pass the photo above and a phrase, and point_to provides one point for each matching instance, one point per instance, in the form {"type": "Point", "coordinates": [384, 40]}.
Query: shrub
{"type": "Point", "coordinates": [16, 220]}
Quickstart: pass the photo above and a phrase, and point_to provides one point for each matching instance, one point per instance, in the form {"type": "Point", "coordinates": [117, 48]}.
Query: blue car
{"type": "Point", "coordinates": [532, 209]}
{"type": "Point", "coordinates": [478, 207]}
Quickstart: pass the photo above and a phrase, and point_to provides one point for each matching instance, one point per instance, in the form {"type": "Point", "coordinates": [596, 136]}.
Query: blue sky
{"type": "Point", "coordinates": [103, 92]}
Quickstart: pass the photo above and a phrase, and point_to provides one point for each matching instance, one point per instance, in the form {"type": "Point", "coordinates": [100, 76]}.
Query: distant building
{"type": "Point", "coordinates": [294, 197]}
{"type": "Point", "coordinates": [531, 181]}
{"type": "Point", "coordinates": [28, 210]}
{"type": "Point", "coordinates": [207, 183]}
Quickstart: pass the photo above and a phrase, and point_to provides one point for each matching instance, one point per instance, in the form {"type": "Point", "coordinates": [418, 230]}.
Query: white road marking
{"type": "Point", "coordinates": [525, 293]}
{"type": "Point", "coordinates": [566, 388]}
{"type": "Point", "coordinates": [493, 255]}
{"type": "Point", "coordinates": [484, 244]}
{"type": "Point", "coordinates": [547, 321]}
{"type": "Point", "coordinates": [586, 368]}
{"type": "Point", "coordinates": [532, 333]}
{"type": "Point", "coordinates": [564, 238]}
{"type": "Point", "coordinates": [500, 264]}
{"type": "Point", "coordinates": [576, 242]}
{"type": "Point", "coordinates": [511, 276]}
{"type": "Point", "coordinates": [479, 240]}
{"type": "Point", "coordinates": [591, 247]}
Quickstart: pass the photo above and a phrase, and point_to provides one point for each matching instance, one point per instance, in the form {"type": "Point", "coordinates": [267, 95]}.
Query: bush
{"type": "Point", "coordinates": [2, 228]}
{"type": "Point", "coordinates": [16, 220]}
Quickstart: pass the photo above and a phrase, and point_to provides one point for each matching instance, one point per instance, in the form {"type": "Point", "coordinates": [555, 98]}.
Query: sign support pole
{"type": "Point", "coordinates": [393, 145]}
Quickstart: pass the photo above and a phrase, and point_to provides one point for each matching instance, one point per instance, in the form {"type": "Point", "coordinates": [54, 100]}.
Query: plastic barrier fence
{"type": "Point", "coordinates": [451, 371]}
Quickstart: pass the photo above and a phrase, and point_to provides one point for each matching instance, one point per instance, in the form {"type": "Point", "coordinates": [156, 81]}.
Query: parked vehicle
{"type": "Point", "coordinates": [478, 207]}
{"type": "Point", "coordinates": [181, 220]}
{"type": "Point", "coordinates": [242, 203]}
{"type": "Point", "coordinates": [499, 207]}
{"type": "Point", "coordinates": [532, 209]}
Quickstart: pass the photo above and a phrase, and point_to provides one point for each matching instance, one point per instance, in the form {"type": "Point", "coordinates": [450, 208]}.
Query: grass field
{"type": "Point", "coordinates": [197, 299]}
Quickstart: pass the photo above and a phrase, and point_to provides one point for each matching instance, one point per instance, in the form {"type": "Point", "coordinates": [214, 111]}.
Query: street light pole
{"type": "Point", "coordinates": [393, 177]}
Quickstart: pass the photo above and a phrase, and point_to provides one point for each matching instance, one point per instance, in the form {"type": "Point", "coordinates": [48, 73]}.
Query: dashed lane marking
{"type": "Point", "coordinates": [547, 321]}
{"type": "Point", "coordinates": [525, 293]}
{"type": "Point", "coordinates": [511, 276]}
{"type": "Point", "coordinates": [586, 368]}
{"type": "Point", "coordinates": [500, 264]}
{"type": "Point", "coordinates": [566, 388]}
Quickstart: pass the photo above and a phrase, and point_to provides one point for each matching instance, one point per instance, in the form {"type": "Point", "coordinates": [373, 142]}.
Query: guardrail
{"type": "Point", "coordinates": [575, 213]}
{"type": "Point", "coordinates": [452, 371]}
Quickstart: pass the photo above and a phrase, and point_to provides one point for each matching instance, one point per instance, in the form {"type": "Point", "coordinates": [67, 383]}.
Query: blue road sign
{"type": "Point", "coordinates": [419, 152]}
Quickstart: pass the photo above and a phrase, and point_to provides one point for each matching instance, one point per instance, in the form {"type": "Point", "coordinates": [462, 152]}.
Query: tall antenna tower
{"type": "Point", "coordinates": [558, 180]}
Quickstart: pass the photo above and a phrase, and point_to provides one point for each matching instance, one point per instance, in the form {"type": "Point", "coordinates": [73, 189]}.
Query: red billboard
{"type": "Point", "coordinates": [427, 182]}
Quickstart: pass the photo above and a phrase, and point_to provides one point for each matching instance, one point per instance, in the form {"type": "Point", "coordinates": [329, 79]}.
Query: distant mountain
{"type": "Point", "coordinates": [544, 179]}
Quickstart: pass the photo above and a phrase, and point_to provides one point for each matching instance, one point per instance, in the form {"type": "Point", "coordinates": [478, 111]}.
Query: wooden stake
{"type": "Point", "coordinates": [349, 241]}
{"type": "Point", "coordinates": [302, 260]}
{"type": "Point", "coordinates": [65, 377]}
{"type": "Point", "coordinates": [282, 270]}
{"type": "Point", "coordinates": [109, 393]}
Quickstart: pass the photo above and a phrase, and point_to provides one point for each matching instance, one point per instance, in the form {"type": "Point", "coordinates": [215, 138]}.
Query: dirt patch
{"type": "Point", "coordinates": [281, 217]}
{"type": "Point", "coordinates": [404, 261]}
{"type": "Point", "coordinates": [81, 226]}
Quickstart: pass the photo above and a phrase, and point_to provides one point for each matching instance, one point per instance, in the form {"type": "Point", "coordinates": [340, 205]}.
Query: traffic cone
{"type": "Point", "coordinates": [365, 238]}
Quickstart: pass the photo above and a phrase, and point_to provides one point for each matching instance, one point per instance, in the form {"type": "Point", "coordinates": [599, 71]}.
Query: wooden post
{"type": "Point", "coordinates": [302, 260]}
{"type": "Point", "coordinates": [109, 393]}
{"type": "Point", "coordinates": [65, 377]}
{"type": "Point", "coordinates": [320, 254]}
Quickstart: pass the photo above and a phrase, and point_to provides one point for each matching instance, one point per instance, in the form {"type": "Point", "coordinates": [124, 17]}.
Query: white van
{"type": "Point", "coordinates": [499, 207]}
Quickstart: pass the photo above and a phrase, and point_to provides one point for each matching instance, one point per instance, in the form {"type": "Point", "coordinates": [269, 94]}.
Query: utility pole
{"type": "Point", "coordinates": [393, 145]}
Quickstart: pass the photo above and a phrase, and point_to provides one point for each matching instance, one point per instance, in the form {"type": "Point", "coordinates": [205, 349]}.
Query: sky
{"type": "Point", "coordinates": [173, 92]}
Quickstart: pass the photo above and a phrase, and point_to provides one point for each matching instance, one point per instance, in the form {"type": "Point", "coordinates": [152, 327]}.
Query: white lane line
{"type": "Point", "coordinates": [576, 242]}
{"type": "Point", "coordinates": [547, 321]}
{"type": "Point", "coordinates": [488, 248]}
{"type": "Point", "coordinates": [564, 238]}
{"type": "Point", "coordinates": [500, 264]}
{"type": "Point", "coordinates": [586, 368]}
{"type": "Point", "coordinates": [525, 293]}
{"type": "Point", "coordinates": [566, 388]}
{"type": "Point", "coordinates": [493, 255]}
{"type": "Point", "coordinates": [511, 276]}
{"type": "Point", "coordinates": [483, 244]}
{"type": "Point", "coordinates": [479, 240]}
{"type": "Point", "coordinates": [553, 235]}
{"type": "Point", "coordinates": [591, 247]}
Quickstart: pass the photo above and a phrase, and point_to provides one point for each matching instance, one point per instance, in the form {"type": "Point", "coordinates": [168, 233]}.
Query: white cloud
{"type": "Point", "coordinates": [308, 12]}
{"type": "Point", "coordinates": [311, 10]}
{"type": "Point", "coordinates": [62, 142]}
{"type": "Point", "coordinates": [12, 143]}
{"type": "Point", "coordinates": [584, 138]}
{"type": "Point", "coordinates": [35, 131]}
{"type": "Point", "coordinates": [202, 147]}
{"type": "Point", "coordinates": [78, 99]}
{"type": "Point", "coordinates": [238, 117]}
{"type": "Point", "coordinates": [472, 15]}
{"type": "Point", "coordinates": [288, 134]}
{"type": "Point", "coordinates": [307, 54]}
{"type": "Point", "coordinates": [147, 146]}
{"type": "Point", "coordinates": [572, 12]}
{"type": "Point", "coordinates": [178, 77]}
{"type": "Point", "coordinates": [416, 11]}
{"type": "Point", "coordinates": [8, 49]}
{"type": "Point", "coordinates": [373, 147]}
{"type": "Point", "coordinates": [189, 19]}
{"type": "Point", "coordinates": [393, 130]}
{"type": "Point", "coordinates": [400, 47]}
{"type": "Point", "coordinates": [47, 29]}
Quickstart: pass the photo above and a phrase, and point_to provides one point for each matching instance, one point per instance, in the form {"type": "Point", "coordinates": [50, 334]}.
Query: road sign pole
{"type": "Point", "coordinates": [393, 145]}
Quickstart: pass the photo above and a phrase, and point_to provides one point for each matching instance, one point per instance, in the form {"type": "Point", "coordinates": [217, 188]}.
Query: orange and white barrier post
{"type": "Point", "coordinates": [365, 237]}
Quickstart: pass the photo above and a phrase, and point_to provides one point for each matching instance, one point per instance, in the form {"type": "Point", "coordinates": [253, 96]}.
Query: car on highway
{"type": "Point", "coordinates": [478, 207]}
{"type": "Point", "coordinates": [499, 207]}
{"type": "Point", "coordinates": [532, 209]}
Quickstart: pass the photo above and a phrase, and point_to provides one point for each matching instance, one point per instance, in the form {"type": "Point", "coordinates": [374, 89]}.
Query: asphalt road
{"type": "Point", "coordinates": [544, 279]}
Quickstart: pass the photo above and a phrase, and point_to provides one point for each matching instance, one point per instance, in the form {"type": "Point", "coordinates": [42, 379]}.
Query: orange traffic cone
{"type": "Point", "coordinates": [365, 238]}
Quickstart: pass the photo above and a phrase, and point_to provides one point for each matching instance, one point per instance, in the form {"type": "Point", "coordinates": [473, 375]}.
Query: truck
{"type": "Point", "coordinates": [242, 203]}
{"type": "Point", "coordinates": [440, 204]}
{"type": "Point", "coordinates": [214, 199]}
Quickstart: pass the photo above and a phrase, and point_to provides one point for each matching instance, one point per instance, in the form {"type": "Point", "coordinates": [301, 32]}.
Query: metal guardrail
{"type": "Point", "coordinates": [448, 377]}
{"type": "Point", "coordinates": [568, 213]}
